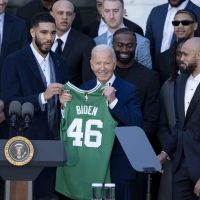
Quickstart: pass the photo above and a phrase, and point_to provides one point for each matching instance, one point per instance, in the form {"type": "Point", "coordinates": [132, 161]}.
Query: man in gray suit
{"type": "Point", "coordinates": [112, 13]}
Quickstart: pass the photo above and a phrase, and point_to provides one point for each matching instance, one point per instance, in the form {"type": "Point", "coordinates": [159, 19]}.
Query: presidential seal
{"type": "Point", "coordinates": [19, 151]}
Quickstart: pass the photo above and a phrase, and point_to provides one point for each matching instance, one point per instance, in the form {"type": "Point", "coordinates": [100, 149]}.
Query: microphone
{"type": "Point", "coordinates": [27, 114]}
{"type": "Point", "coordinates": [14, 112]}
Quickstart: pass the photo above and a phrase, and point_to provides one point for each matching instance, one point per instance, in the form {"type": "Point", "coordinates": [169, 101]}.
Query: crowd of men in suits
{"type": "Point", "coordinates": [155, 77]}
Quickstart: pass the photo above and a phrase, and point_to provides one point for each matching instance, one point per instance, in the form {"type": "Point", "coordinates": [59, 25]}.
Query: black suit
{"type": "Point", "coordinates": [25, 84]}
{"type": "Point", "coordinates": [163, 64]}
{"type": "Point", "coordinates": [185, 142]}
{"type": "Point", "coordinates": [77, 52]}
{"type": "Point", "coordinates": [33, 7]}
{"type": "Point", "coordinates": [14, 37]}
{"type": "Point", "coordinates": [92, 28]}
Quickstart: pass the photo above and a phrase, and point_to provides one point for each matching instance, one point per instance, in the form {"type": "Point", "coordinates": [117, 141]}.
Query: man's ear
{"type": "Point", "coordinates": [51, 13]}
{"type": "Point", "coordinates": [32, 32]}
{"type": "Point", "coordinates": [124, 12]}
{"type": "Point", "coordinates": [196, 25]}
{"type": "Point", "coordinates": [198, 56]}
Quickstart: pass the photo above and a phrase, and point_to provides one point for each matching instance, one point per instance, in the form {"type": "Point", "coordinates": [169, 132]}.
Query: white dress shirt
{"type": "Point", "coordinates": [168, 29]}
{"type": "Point", "coordinates": [110, 83]}
{"type": "Point", "coordinates": [63, 38]}
{"type": "Point", "coordinates": [44, 64]}
{"type": "Point", "coordinates": [190, 88]}
{"type": "Point", "coordinates": [102, 27]}
{"type": "Point", "coordinates": [1, 28]}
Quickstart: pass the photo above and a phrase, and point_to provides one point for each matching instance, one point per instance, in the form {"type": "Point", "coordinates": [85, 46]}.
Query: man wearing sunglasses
{"type": "Point", "coordinates": [185, 24]}
{"type": "Point", "coordinates": [159, 29]}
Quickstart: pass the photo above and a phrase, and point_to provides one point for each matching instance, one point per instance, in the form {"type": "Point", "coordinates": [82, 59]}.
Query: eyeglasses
{"type": "Point", "coordinates": [183, 22]}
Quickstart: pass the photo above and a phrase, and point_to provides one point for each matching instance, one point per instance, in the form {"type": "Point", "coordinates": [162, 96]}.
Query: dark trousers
{"type": "Point", "coordinates": [182, 184]}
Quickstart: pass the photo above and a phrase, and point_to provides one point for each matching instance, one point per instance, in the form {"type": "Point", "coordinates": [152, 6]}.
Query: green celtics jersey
{"type": "Point", "coordinates": [87, 130]}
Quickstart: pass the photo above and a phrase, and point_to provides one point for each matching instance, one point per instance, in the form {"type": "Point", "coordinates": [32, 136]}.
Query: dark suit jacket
{"type": "Point", "coordinates": [127, 113]}
{"type": "Point", "coordinates": [167, 122]}
{"type": "Point", "coordinates": [25, 84]}
{"type": "Point", "coordinates": [186, 135]}
{"type": "Point", "coordinates": [77, 52]}
{"type": "Point", "coordinates": [156, 21]}
{"type": "Point", "coordinates": [167, 118]}
{"type": "Point", "coordinates": [147, 83]}
{"type": "Point", "coordinates": [33, 7]}
{"type": "Point", "coordinates": [14, 36]}
{"type": "Point", "coordinates": [92, 28]}
{"type": "Point", "coordinates": [163, 65]}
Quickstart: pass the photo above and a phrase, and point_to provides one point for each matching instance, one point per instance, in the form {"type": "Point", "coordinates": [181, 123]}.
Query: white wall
{"type": "Point", "coordinates": [138, 10]}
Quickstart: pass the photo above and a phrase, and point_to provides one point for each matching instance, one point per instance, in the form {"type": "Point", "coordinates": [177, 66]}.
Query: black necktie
{"type": "Point", "coordinates": [59, 47]}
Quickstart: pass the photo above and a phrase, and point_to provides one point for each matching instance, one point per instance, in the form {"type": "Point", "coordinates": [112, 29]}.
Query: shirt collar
{"type": "Point", "coordinates": [121, 26]}
{"type": "Point", "coordinates": [63, 37]}
{"type": "Point", "coordinates": [2, 16]}
{"type": "Point", "coordinates": [102, 23]}
{"type": "Point", "coordinates": [180, 7]}
{"type": "Point", "coordinates": [109, 33]}
{"type": "Point", "coordinates": [38, 57]}
{"type": "Point", "coordinates": [196, 78]}
{"type": "Point", "coordinates": [109, 82]}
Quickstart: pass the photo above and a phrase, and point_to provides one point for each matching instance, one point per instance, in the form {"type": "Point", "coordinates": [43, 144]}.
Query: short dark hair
{"type": "Point", "coordinates": [41, 17]}
{"type": "Point", "coordinates": [188, 12]}
{"type": "Point", "coordinates": [124, 31]}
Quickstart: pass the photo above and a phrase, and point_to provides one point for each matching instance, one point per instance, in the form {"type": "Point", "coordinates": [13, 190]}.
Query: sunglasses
{"type": "Point", "coordinates": [183, 22]}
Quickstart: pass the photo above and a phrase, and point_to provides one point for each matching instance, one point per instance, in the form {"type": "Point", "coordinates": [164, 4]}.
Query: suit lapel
{"type": "Point", "coordinates": [95, 28]}
{"type": "Point", "coordinates": [57, 67]}
{"type": "Point", "coordinates": [168, 98]}
{"type": "Point", "coordinates": [7, 30]}
{"type": "Point", "coordinates": [161, 23]}
{"type": "Point", "coordinates": [32, 63]}
{"type": "Point", "coordinates": [69, 43]}
{"type": "Point", "coordinates": [116, 82]}
{"type": "Point", "coordinates": [102, 39]}
{"type": "Point", "coordinates": [195, 100]}
{"type": "Point", "coordinates": [180, 96]}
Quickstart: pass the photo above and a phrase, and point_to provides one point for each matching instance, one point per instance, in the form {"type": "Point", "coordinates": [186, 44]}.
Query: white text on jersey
{"type": "Point", "coordinates": [86, 110]}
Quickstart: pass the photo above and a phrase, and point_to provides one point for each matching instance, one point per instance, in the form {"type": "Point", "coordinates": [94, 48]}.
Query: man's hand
{"type": "Point", "coordinates": [64, 97]}
{"type": "Point", "coordinates": [109, 93]}
{"type": "Point", "coordinates": [53, 89]}
{"type": "Point", "coordinates": [162, 157]}
{"type": "Point", "coordinates": [197, 188]}
{"type": "Point", "coordinates": [2, 116]}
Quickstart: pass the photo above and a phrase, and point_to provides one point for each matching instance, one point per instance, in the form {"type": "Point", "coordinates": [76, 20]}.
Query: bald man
{"type": "Point", "coordinates": [185, 141]}
{"type": "Point", "coordinates": [72, 45]}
